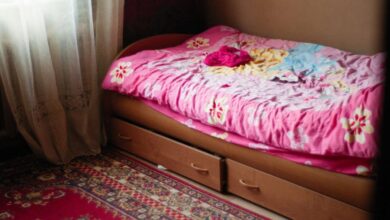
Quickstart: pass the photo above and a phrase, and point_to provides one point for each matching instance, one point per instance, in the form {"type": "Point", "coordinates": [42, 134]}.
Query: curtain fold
{"type": "Point", "coordinates": [109, 38]}
{"type": "Point", "coordinates": [51, 54]}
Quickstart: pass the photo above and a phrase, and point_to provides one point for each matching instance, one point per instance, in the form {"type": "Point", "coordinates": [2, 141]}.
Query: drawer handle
{"type": "Point", "coordinates": [126, 138]}
{"type": "Point", "coordinates": [198, 168]}
{"type": "Point", "coordinates": [249, 186]}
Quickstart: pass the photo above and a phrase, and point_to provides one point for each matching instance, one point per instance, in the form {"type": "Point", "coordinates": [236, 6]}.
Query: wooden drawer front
{"type": "Point", "coordinates": [178, 157]}
{"type": "Point", "coordinates": [286, 197]}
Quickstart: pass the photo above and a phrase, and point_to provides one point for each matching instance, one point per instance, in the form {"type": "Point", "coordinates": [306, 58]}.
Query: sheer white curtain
{"type": "Point", "coordinates": [51, 55]}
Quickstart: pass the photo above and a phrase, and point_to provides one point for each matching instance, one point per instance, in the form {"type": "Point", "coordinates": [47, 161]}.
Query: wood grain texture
{"type": "Point", "coordinates": [283, 196]}
{"type": "Point", "coordinates": [187, 161]}
{"type": "Point", "coordinates": [352, 25]}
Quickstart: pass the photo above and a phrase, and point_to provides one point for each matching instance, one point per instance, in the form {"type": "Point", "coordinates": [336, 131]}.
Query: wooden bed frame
{"type": "Point", "coordinates": [293, 190]}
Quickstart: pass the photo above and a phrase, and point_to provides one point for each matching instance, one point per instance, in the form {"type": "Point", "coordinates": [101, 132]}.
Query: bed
{"type": "Point", "coordinates": [273, 130]}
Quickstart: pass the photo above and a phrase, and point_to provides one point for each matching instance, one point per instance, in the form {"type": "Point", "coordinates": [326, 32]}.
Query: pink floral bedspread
{"type": "Point", "coordinates": [308, 103]}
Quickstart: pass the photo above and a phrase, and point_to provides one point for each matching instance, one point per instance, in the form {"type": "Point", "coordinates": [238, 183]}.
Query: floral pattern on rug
{"type": "Point", "coordinates": [107, 186]}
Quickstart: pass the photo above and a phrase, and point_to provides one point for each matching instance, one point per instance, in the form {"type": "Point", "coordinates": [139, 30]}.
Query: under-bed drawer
{"type": "Point", "coordinates": [198, 165]}
{"type": "Point", "coordinates": [286, 197]}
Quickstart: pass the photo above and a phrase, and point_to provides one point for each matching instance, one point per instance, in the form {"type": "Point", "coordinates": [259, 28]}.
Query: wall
{"type": "Point", "coordinates": [353, 25]}
{"type": "Point", "coordinates": [144, 18]}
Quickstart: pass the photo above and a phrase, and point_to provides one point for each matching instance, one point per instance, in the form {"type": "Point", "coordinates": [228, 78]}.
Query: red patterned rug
{"type": "Point", "coordinates": [107, 186]}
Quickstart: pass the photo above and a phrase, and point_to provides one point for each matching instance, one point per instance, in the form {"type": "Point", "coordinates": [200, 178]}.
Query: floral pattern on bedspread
{"type": "Point", "coordinates": [297, 97]}
{"type": "Point", "coordinates": [357, 126]}
{"type": "Point", "coordinates": [197, 43]}
{"type": "Point", "coordinates": [120, 72]}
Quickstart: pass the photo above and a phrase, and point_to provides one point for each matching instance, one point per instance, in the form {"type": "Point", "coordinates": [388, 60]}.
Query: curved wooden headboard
{"type": "Point", "coordinates": [352, 25]}
{"type": "Point", "coordinates": [153, 42]}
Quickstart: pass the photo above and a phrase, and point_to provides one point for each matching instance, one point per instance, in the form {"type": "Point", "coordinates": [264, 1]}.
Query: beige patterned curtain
{"type": "Point", "coordinates": [49, 70]}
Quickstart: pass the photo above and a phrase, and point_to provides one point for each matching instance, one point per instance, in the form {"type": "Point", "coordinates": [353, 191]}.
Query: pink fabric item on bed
{"type": "Point", "coordinates": [305, 100]}
{"type": "Point", "coordinates": [227, 56]}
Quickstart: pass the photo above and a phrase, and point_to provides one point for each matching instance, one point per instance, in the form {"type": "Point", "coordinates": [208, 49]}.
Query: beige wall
{"type": "Point", "coordinates": [352, 25]}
